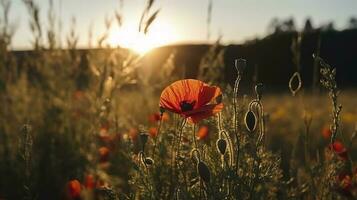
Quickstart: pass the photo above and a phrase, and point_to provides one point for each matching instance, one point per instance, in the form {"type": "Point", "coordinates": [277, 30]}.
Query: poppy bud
{"type": "Point", "coordinates": [295, 83]}
{"type": "Point", "coordinates": [250, 121]}
{"type": "Point", "coordinates": [259, 90]}
{"type": "Point", "coordinates": [204, 172]}
{"type": "Point", "coordinates": [221, 146]}
{"type": "Point", "coordinates": [149, 161]}
{"type": "Point", "coordinates": [162, 110]}
{"type": "Point", "coordinates": [240, 64]}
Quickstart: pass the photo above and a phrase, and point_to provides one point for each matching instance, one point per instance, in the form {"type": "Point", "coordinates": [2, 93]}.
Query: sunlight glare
{"type": "Point", "coordinates": [128, 36]}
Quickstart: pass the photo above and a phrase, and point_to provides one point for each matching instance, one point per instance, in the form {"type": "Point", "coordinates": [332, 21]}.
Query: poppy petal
{"type": "Point", "coordinates": [205, 112]}
{"type": "Point", "coordinates": [208, 94]}
{"type": "Point", "coordinates": [182, 90]}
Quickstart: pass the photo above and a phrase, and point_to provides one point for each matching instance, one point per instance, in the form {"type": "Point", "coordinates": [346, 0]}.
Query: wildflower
{"type": "Point", "coordinates": [326, 133]}
{"type": "Point", "coordinates": [339, 149]}
{"type": "Point", "coordinates": [74, 189]}
{"type": "Point", "coordinates": [153, 132]}
{"type": "Point", "coordinates": [165, 117]}
{"type": "Point", "coordinates": [133, 134]}
{"type": "Point", "coordinates": [103, 154]}
{"type": "Point", "coordinates": [104, 135]}
{"type": "Point", "coordinates": [89, 182]}
{"type": "Point", "coordinates": [155, 117]}
{"type": "Point", "coordinates": [344, 184]}
{"type": "Point", "coordinates": [202, 133]}
{"type": "Point", "coordinates": [192, 99]}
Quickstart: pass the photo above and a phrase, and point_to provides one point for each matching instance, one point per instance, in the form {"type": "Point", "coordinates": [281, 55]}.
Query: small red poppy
{"type": "Point", "coordinates": [103, 154]}
{"type": "Point", "coordinates": [326, 132]}
{"type": "Point", "coordinates": [344, 183]}
{"type": "Point", "coordinates": [89, 182]}
{"type": "Point", "coordinates": [133, 134]}
{"type": "Point", "coordinates": [155, 117]}
{"type": "Point", "coordinates": [192, 99]}
{"type": "Point", "coordinates": [339, 149]}
{"type": "Point", "coordinates": [74, 189]}
{"type": "Point", "coordinates": [202, 133]}
{"type": "Point", "coordinates": [153, 132]}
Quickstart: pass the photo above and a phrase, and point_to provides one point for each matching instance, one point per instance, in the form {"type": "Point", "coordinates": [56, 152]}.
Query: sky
{"type": "Point", "coordinates": [179, 21]}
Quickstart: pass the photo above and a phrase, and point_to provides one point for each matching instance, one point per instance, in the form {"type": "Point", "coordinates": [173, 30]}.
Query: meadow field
{"type": "Point", "coordinates": [103, 123]}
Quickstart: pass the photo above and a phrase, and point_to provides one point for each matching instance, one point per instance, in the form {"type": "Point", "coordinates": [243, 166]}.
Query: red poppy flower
{"type": "Point", "coordinates": [192, 99]}
{"type": "Point", "coordinates": [155, 117]}
{"type": "Point", "coordinates": [104, 154]}
{"type": "Point", "coordinates": [326, 132]}
{"type": "Point", "coordinates": [202, 133]}
{"type": "Point", "coordinates": [89, 182]}
{"type": "Point", "coordinates": [74, 189]}
{"type": "Point", "coordinates": [133, 134]}
{"type": "Point", "coordinates": [339, 149]}
{"type": "Point", "coordinates": [153, 132]}
{"type": "Point", "coordinates": [344, 183]}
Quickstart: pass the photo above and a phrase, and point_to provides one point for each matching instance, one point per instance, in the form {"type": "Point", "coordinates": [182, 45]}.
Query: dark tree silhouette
{"type": "Point", "coordinates": [308, 25]}
{"type": "Point", "coordinates": [352, 23]}
{"type": "Point", "coordinates": [330, 26]}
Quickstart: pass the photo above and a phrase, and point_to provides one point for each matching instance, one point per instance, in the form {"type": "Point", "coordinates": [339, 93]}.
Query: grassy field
{"type": "Point", "coordinates": [78, 132]}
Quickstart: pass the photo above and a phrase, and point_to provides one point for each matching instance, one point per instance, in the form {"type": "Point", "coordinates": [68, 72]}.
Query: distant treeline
{"type": "Point", "coordinates": [270, 60]}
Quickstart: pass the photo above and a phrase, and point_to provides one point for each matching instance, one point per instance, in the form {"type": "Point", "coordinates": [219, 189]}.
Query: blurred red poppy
{"type": "Point", "coordinates": [192, 99]}
{"type": "Point", "coordinates": [153, 132]}
{"type": "Point", "coordinates": [344, 183]}
{"type": "Point", "coordinates": [202, 133]}
{"type": "Point", "coordinates": [74, 189]}
{"type": "Point", "coordinates": [103, 154]}
{"type": "Point", "coordinates": [89, 182]}
{"type": "Point", "coordinates": [339, 149]}
{"type": "Point", "coordinates": [155, 117]}
{"type": "Point", "coordinates": [133, 134]}
{"type": "Point", "coordinates": [326, 132]}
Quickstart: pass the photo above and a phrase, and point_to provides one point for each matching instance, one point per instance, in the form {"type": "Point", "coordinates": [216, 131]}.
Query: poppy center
{"type": "Point", "coordinates": [187, 106]}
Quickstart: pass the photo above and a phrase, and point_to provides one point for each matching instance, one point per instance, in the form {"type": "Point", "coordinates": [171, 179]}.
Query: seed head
{"type": "Point", "coordinates": [148, 161]}
{"type": "Point", "coordinates": [221, 146]}
{"type": "Point", "coordinates": [203, 171]}
{"type": "Point", "coordinates": [250, 121]}
{"type": "Point", "coordinates": [240, 64]}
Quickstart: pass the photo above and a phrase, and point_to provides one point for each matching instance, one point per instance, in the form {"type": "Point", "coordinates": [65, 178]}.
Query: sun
{"type": "Point", "coordinates": [127, 36]}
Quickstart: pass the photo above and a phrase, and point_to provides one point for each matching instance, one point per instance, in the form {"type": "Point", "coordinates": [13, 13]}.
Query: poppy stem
{"type": "Point", "coordinates": [156, 138]}
{"type": "Point", "coordinates": [236, 124]}
{"type": "Point", "coordinates": [180, 138]}
{"type": "Point", "coordinates": [174, 164]}
{"type": "Point", "coordinates": [194, 136]}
